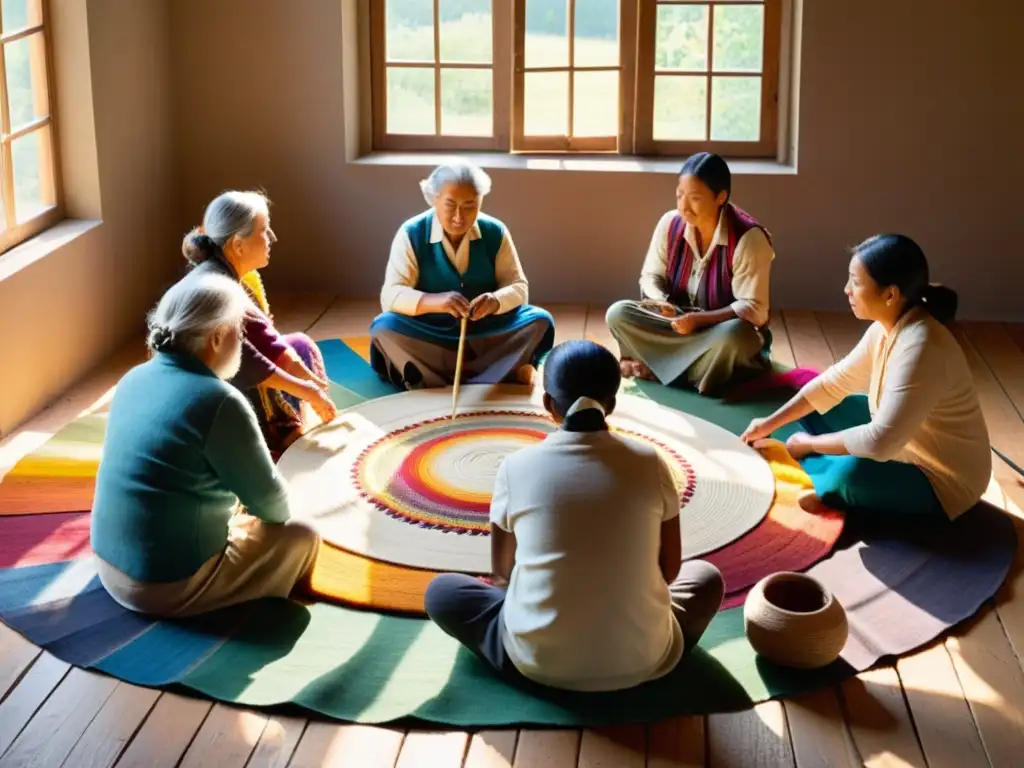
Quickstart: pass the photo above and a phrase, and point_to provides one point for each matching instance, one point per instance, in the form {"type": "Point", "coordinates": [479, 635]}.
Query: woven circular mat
{"type": "Point", "coordinates": [398, 480]}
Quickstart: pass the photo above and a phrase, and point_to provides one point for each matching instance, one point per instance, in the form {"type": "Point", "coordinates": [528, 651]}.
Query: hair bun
{"type": "Point", "coordinates": [161, 338]}
{"type": "Point", "coordinates": [941, 302]}
{"type": "Point", "coordinates": [197, 247]}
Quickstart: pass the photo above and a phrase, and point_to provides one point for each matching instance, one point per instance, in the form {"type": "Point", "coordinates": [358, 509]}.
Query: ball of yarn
{"type": "Point", "coordinates": [792, 620]}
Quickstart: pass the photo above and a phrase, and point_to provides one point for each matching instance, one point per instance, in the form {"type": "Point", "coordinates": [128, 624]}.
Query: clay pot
{"type": "Point", "coordinates": [792, 620]}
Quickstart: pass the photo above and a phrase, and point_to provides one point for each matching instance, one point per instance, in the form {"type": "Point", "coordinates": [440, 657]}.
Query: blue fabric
{"type": "Point", "coordinates": [864, 487]}
{"type": "Point", "coordinates": [182, 448]}
{"type": "Point", "coordinates": [346, 368]}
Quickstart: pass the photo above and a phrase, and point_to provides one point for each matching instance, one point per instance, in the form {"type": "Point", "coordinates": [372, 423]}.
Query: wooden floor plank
{"type": "Point", "coordinates": [991, 677]}
{"type": "Point", "coordinates": [819, 734]}
{"type": "Point", "coordinates": [596, 329]}
{"type": "Point", "coordinates": [842, 331]}
{"type": "Point", "coordinates": [298, 312]}
{"type": "Point", "coordinates": [491, 749]}
{"type": "Point", "coordinates": [1003, 357]}
{"type": "Point", "coordinates": [945, 725]}
{"type": "Point", "coordinates": [619, 746]}
{"type": "Point", "coordinates": [111, 730]}
{"type": "Point", "coordinates": [345, 318]}
{"type": "Point", "coordinates": [782, 350]}
{"type": "Point", "coordinates": [28, 696]}
{"type": "Point", "coordinates": [428, 749]}
{"type": "Point", "coordinates": [54, 730]}
{"type": "Point", "coordinates": [278, 742]}
{"type": "Point", "coordinates": [547, 749]}
{"type": "Point", "coordinates": [676, 743]}
{"type": "Point", "coordinates": [167, 732]}
{"type": "Point", "coordinates": [1016, 332]}
{"type": "Point", "coordinates": [810, 349]}
{"type": "Point", "coordinates": [327, 745]}
{"type": "Point", "coordinates": [226, 739]}
{"type": "Point", "coordinates": [16, 656]}
{"type": "Point", "coordinates": [570, 320]}
{"type": "Point", "coordinates": [880, 724]}
{"type": "Point", "coordinates": [756, 738]}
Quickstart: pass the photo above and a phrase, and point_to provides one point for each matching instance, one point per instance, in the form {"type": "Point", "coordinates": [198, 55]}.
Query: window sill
{"type": "Point", "coordinates": [42, 245]}
{"type": "Point", "coordinates": [587, 163]}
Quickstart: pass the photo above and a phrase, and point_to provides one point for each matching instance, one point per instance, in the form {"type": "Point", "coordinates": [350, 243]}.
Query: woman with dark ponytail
{"type": "Point", "coordinates": [895, 428]}
{"type": "Point", "coordinates": [586, 551]}
{"type": "Point", "coordinates": [279, 371]}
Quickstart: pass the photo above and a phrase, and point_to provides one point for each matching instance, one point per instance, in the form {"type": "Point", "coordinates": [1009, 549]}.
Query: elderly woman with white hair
{"type": "Point", "coordinates": [279, 371]}
{"type": "Point", "coordinates": [190, 513]}
{"type": "Point", "coordinates": [448, 263]}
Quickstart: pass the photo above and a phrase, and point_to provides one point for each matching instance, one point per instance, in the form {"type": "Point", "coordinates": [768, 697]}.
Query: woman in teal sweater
{"type": "Point", "coordinates": [190, 513]}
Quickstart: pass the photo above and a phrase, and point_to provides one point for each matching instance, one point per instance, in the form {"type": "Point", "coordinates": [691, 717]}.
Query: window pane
{"type": "Point", "coordinates": [409, 30]}
{"type": "Point", "coordinates": [680, 107]}
{"type": "Point", "coordinates": [18, 14]}
{"type": "Point", "coordinates": [597, 33]}
{"type": "Point", "coordinates": [682, 37]}
{"type": "Point", "coordinates": [33, 174]}
{"type": "Point", "coordinates": [546, 104]}
{"type": "Point", "coordinates": [410, 100]}
{"type": "Point", "coordinates": [736, 109]}
{"type": "Point", "coordinates": [739, 38]}
{"type": "Point", "coordinates": [596, 104]}
{"type": "Point", "coordinates": [466, 32]}
{"type": "Point", "coordinates": [466, 108]}
{"type": "Point", "coordinates": [547, 34]}
{"type": "Point", "coordinates": [26, 80]}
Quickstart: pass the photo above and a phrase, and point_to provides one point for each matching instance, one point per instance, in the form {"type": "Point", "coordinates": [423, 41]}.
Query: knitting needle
{"type": "Point", "coordinates": [458, 365]}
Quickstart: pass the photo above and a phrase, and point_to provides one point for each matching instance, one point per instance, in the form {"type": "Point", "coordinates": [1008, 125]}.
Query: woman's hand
{"type": "Point", "coordinates": [800, 445]}
{"type": "Point", "coordinates": [452, 303]}
{"type": "Point", "coordinates": [758, 430]}
{"type": "Point", "coordinates": [321, 404]}
{"type": "Point", "coordinates": [687, 324]}
{"type": "Point", "coordinates": [663, 308]}
{"type": "Point", "coordinates": [483, 305]}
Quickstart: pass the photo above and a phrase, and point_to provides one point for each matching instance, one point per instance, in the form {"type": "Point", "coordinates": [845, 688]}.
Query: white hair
{"type": "Point", "coordinates": [455, 172]}
{"type": "Point", "coordinates": [229, 214]}
{"type": "Point", "coordinates": [192, 309]}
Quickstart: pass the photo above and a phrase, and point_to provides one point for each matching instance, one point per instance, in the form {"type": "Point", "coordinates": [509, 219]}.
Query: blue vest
{"type": "Point", "coordinates": [436, 272]}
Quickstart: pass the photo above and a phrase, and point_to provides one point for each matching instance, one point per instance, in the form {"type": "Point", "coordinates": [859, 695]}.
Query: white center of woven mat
{"type": "Point", "coordinates": [395, 480]}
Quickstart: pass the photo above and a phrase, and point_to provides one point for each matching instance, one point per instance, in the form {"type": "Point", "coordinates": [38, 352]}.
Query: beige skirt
{"type": "Point", "coordinates": [260, 560]}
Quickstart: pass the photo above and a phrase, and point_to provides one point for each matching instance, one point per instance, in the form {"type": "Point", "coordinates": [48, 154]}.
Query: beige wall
{"type": "Point", "coordinates": [63, 313]}
{"type": "Point", "coordinates": [907, 123]}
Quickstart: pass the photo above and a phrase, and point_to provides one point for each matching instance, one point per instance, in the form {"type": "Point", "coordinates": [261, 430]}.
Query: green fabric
{"type": "Point", "coordinates": [182, 448]}
{"type": "Point", "coordinates": [368, 668]}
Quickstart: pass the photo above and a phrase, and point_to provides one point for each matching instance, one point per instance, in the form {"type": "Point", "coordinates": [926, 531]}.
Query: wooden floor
{"type": "Point", "coordinates": [957, 703]}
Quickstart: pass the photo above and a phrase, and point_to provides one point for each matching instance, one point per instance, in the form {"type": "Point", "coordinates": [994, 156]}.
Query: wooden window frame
{"type": "Point", "coordinates": [767, 145]}
{"type": "Point", "coordinates": [15, 233]}
{"type": "Point", "coordinates": [637, 35]}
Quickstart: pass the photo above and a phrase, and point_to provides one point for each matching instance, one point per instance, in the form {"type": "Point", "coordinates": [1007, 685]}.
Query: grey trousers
{"type": "Point", "coordinates": [470, 611]}
{"type": "Point", "coordinates": [414, 363]}
{"type": "Point", "coordinates": [707, 359]}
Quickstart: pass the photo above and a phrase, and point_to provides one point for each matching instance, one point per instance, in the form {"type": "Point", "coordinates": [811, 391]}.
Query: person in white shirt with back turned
{"type": "Point", "coordinates": [585, 532]}
{"type": "Point", "coordinates": [894, 431]}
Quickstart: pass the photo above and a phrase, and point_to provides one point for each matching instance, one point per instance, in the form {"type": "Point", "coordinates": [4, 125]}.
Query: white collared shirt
{"type": "Point", "coordinates": [399, 293]}
{"type": "Point", "coordinates": [924, 406]}
{"type": "Point", "coordinates": [751, 267]}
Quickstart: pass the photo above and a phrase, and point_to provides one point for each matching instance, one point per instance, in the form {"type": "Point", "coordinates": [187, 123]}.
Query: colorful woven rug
{"type": "Point", "coordinates": [367, 666]}
{"type": "Point", "coordinates": [399, 480]}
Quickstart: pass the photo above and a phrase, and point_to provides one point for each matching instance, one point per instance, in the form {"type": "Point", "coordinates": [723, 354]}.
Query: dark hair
{"type": "Point", "coordinates": [198, 248]}
{"type": "Point", "coordinates": [710, 169]}
{"type": "Point", "coordinates": [897, 260]}
{"type": "Point", "coordinates": [580, 368]}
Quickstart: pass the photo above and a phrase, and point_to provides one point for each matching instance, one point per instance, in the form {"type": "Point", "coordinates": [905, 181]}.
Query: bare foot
{"type": "Point", "coordinates": [808, 501]}
{"type": "Point", "coordinates": [641, 371]}
{"type": "Point", "coordinates": [525, 374]}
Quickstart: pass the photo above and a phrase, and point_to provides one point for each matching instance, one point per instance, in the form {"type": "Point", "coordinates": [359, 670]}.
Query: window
{"type": "Point", "coordinates": [28, 184]}
{"type": "Point", "coordinates": [643, 77]}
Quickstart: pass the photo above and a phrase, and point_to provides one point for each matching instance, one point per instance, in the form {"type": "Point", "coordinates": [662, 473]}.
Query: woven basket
{"type": "Point", "coordinates": [792, 620]}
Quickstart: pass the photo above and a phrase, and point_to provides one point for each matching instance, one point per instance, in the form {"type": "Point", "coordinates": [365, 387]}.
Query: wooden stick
{"type": "Point", "coordinates": [458, 366]}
